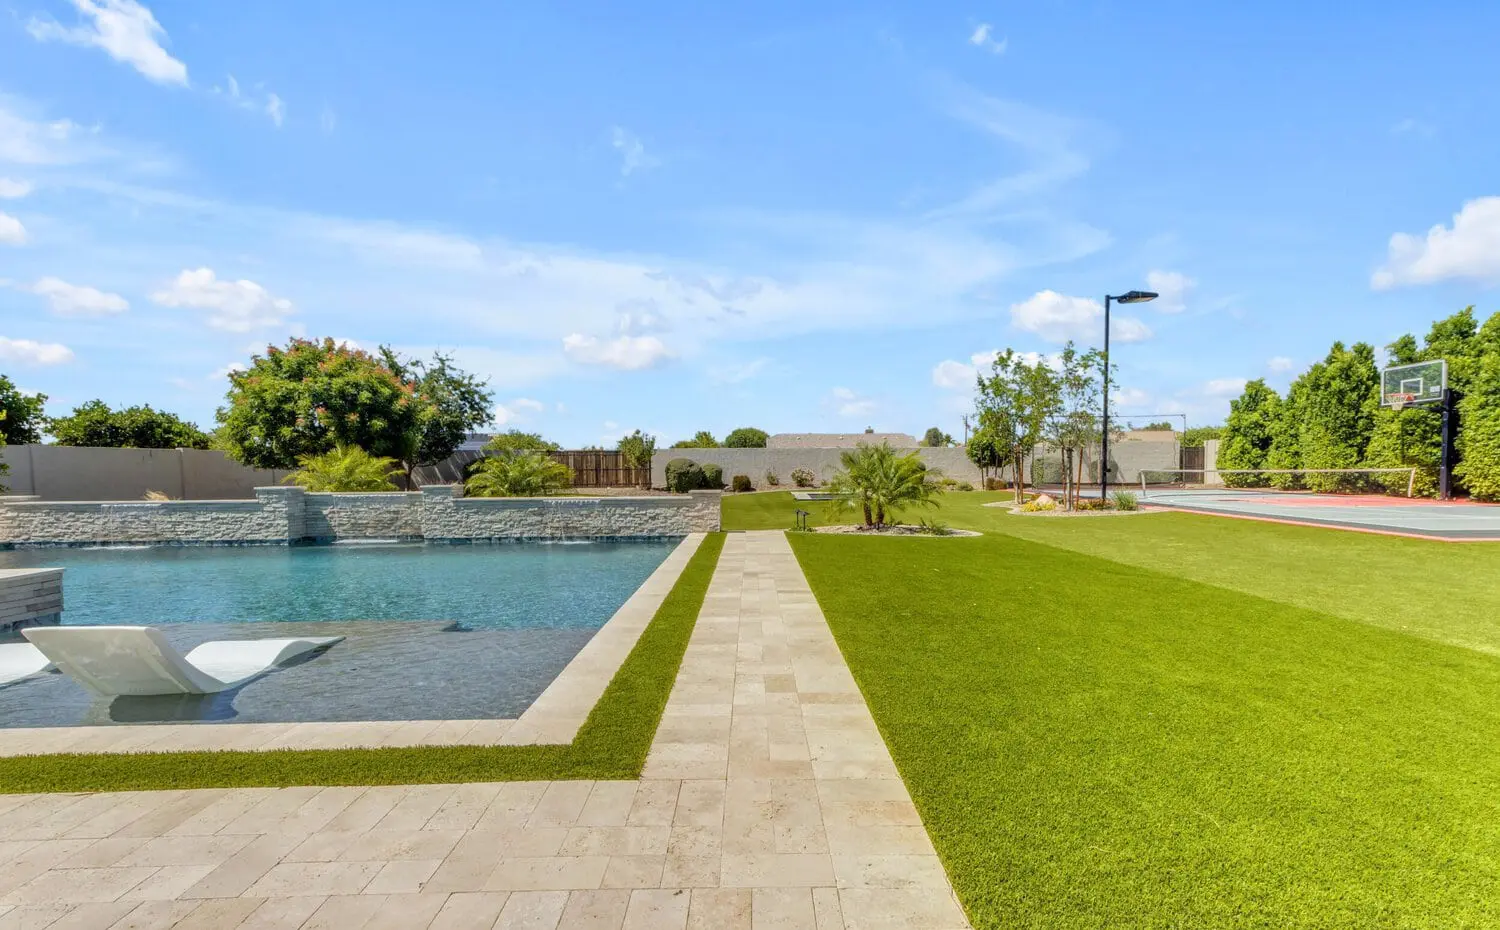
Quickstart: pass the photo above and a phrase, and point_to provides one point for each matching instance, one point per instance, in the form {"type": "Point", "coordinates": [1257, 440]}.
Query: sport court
{"type": "Point", "coordinates": [1428, 519]}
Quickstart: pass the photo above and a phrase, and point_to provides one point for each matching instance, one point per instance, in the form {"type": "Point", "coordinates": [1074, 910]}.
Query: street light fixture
{"type": "Point", "coordinates": [1129, 297]}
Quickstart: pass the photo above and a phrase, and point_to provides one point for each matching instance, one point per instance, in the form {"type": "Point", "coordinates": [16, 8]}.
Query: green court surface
{"type": "Point", "coordinates": [1172, 720]}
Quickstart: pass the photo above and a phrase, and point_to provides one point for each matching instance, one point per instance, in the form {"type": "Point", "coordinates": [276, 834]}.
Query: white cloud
{"type": "Point", "coordinates": [235, 306]}
{"type": "Point", "coordinates": [1224, 387]}
{"type": "Point", "coordinates": [1127, 397]}
{"type": "Point", "coordinates": [1280, 364]}
{"type": "Point", "coordinates": [11, 230]}
{"type": "Point", "coordinates": [1469, 249]}
{"type": "Point", "coordinates": [625, 352]}
{"type": "Point", "coordinates": [27, 352]}
{"type": "Point", "coordinates": [983, 37]}
{"type": "Point", "coordinates": [28, 141]}
{"type": "Point", "coordinates": [850, 404]}
{"type": "Point", "coordinates": [517, 411]}
{"type": "Point", "coordinates": [953, 375]}
{"type": "Point", "coordinates": [77, 300]}
{"type": "Point", "coordinates": [125, 30]}
{"type": "Point", "coordinates": [222, 373]}
{"type": "Point", "coordinates": [632, 151]}
{"type": "Point", "coordinates": [273, 106]}
{"type": "Point", "coordinates": [1058, 318]}
{"type": "Point", "coordinates": [11, 189]}
{"type": "Point", "coordinates": [1172, 286]}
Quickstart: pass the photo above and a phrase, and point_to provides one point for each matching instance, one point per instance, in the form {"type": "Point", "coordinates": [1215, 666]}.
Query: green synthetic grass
{"type": "Point", "coordinates": [612, 744]}
{"type": "Point", "coordinates": [775, 510]}
{"type": "Point", "coordinates": [1098, 744]}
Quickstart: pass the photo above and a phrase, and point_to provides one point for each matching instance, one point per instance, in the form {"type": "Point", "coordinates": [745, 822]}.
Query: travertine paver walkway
{"type": "Point", "coordinates": [768, 801]}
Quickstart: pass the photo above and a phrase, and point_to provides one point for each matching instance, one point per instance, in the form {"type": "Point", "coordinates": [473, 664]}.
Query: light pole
{"type": "Point", "coordinates": [1129, 297]}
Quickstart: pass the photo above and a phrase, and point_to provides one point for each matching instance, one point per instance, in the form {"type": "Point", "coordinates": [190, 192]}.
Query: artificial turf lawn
{"type": "Point", "coordinates": [1099, 744]}
{"type": "Point", "coordinates": [612, 744]}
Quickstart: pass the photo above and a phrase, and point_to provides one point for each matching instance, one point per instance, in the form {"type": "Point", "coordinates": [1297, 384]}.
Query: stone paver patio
{"type": "Point", "coordinates": [768, 801]}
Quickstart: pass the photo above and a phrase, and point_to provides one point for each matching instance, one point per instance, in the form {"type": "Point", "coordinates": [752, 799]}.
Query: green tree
{"type": "Point", "coordinates": [637, 450]}
{"type": "Point", "coordinates": [746, 437]}
{"type": "Point", "coordinates": [95, 424]}
{"type": "Point", "coordinates": [935, 438]}
{"type": "Point", "coordinates": [988, 451]}
{"type": "Point", "coordinates": [21, 414]}
{"type": "Point", "coordinates": [518, 441]}
{"type": "Point", "coordinates": [311, 397]}
{"type": "Point", "coordinates": [345, 468]}
{"type": "Point", "coordinates": [1480, 412]}
{"type": "Point", "coordinates": [1015, 402]}
{"type": "Point", "coordinates": [1338, 415]}
{"type": "Point", "coordinates": [1197, 435]}
{"type": "Point", "coordinates": [523, 473]}
{"type": "Point", "coordinates": [451, 404]}
{"type": "Point", "coordinates": [1254, 418]}
{"type": "Point", "coordinates": [876, 482]}
{"type": "Point", "coordinates": [1072, 425]}
{"type": "Point", "coordinates": [702, 439]}
{"type": "Point", "coordinates": [1161, 426]}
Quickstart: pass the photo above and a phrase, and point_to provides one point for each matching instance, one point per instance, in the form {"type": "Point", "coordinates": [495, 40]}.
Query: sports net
{"type": "Point", "coordinates": [1399, 481]}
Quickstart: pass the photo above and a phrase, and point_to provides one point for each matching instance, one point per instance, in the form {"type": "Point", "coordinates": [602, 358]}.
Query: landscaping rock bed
{"type": "Point", "coordinates": [897, 530]}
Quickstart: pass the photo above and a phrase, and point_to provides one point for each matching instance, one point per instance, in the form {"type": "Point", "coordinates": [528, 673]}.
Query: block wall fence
{"type": "Point", "coordinates": [289, 515]}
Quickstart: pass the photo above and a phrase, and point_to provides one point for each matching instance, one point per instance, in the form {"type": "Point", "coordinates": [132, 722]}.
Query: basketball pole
{"type": "Point", "coordinates": [1445, 461]}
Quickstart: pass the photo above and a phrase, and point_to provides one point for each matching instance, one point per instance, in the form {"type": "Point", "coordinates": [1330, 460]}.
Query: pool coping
{"type": "Point", "coordinates": [553, 718]}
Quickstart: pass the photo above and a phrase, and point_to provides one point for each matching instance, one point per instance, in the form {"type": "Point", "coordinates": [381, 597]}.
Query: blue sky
{"type": "Point", "coordinates": [796, 216]}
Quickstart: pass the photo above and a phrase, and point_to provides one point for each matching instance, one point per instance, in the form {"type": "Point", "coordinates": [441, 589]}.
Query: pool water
{"type": "Point", "coordinates": [433, 632]}
{"type": "Point", "coordinates": [487, 587]}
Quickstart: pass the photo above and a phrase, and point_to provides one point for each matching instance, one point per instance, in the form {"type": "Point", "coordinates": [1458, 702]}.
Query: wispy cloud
{"type": "Point", "coordinates": [1413, 127]}
{"type": "Point", "coordinates": [13, 190]}
{"type": "Point", "coordinates": [626, 353]}
{"type": "Point", "coordinates": [983, 37]}
{"type": "Point", "coordinates": [77, 300]}
{"type": "Point", "coordinates": [633, 155]}
{"type": "Point", "coordinates": [271, 105]}
{"type": "Point", "coordinates": [1280, 364]}
{"type": "Point", "coordinates": [124, 29]}
{"type": "Point", "coordinates": [1172, 288]}
{"type": "Point", "coordinates": [849, 403]}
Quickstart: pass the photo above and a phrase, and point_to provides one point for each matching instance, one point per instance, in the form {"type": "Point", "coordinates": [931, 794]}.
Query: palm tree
{"type": "Point", "coordinates": [876, 481]}
{"type": "Point", "coordinates": [346, 468]}
{"type": "Point", "coordinates": [528, 473]}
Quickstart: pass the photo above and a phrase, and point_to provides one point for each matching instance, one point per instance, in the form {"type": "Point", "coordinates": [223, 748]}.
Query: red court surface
{"type": "Point", "coordinates": [1400, 516]}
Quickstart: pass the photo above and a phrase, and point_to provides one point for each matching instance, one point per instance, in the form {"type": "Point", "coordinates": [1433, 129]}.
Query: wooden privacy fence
{"type": "Point", "coordinates": [591, 469]}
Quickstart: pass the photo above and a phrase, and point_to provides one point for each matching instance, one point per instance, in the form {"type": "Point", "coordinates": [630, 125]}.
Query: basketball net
{"type": "Point", "coordinates": [1398, 402]}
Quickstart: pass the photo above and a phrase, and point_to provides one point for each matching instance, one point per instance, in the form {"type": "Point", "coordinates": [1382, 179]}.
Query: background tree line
{"type": "Point", "coordinates": [1331, 417]}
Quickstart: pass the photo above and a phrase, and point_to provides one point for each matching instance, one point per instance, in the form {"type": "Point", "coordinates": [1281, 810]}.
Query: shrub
{"type": "Point", "coordinates": [772, 480]}
{"type": "Point", "coordinates": [875, 481]}
{"type": "Point", "coordinates": [1090, 503]}
{"type": "Point", "coordinates": [683, 475]}
{"type": "Point", "coordinates": [1124, 500]}
{"type": "Point", "coordinates": [963, 486]}
{"type": "Point", "coordinates": [518, 474]}
{"type": "Point", "coordinates": [346, 468]}
{"type": "Point", "coordinates": [932, 527]}
{"type": "Point", "coordinates": [713, 476]}
{"type": "Point", "coordinates": [742, 484]}
{"type": "Point", "coordinates": [156, 496]}
{"type": "Point", "coordinates": [1035, 506]}
{"type": "Point", "coordinates": [804, 478]}
{"type": "Point", "coordinates": [746, 437]}
{"type": "Point", "coordinates": [995, 484]}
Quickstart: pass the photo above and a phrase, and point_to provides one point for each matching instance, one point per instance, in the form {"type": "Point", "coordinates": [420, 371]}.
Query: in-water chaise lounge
{"type": "Point", "coordinates": [21, 660]}
{"type": "Point", "coordinates": [137, 660]}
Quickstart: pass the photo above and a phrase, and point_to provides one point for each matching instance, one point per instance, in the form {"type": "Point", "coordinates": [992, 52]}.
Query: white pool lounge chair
{"type": "Point", "coordinates": [138, 660]}
{"type": "Point", "coordinates": [21, 660]}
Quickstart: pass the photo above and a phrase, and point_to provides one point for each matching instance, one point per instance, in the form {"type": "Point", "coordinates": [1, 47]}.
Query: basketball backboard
{"type": "Point", "coordinates": [1417, 383]}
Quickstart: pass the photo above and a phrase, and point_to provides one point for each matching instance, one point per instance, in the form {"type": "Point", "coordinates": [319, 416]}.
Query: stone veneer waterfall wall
{"type": "Point", "coordinates": [287, 515]}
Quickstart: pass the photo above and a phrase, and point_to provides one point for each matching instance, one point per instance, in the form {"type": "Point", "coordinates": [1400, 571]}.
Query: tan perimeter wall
{"type": "Point", "coordinates": [75, 473]}
{"type": "Point", "coordinates": [284, 515]}
{"type": "Point", "coordinates": [1127, 457]}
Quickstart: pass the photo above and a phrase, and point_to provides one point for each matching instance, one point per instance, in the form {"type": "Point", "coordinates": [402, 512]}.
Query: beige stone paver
{"type": "Point", "coordinates": [768, 801]}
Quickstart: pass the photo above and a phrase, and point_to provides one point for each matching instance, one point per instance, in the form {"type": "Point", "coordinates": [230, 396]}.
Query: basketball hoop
{"type": "Point", "coordinates": [1398, 402]}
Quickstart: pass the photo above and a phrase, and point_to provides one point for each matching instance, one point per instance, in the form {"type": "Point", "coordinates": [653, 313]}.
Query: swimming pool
{"type": "Point", "coordinates": [433, 632]}
{"type": "Point", "coordinates": [573, 585]}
